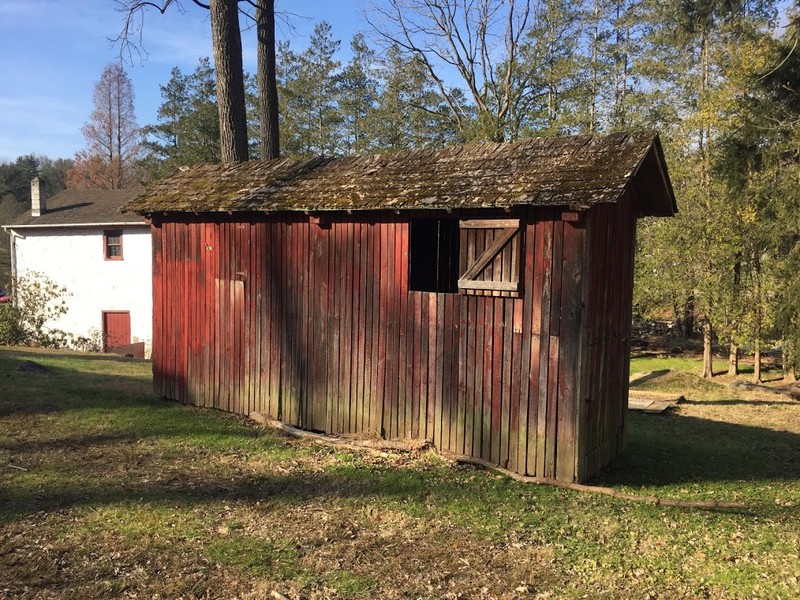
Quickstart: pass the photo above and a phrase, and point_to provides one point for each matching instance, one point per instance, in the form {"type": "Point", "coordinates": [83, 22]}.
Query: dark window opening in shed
{"type": "Point", "coordinates": [433, 255]}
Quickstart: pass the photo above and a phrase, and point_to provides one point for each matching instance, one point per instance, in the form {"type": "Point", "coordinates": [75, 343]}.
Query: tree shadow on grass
{"type": "Point", "coordinates": [672, 449]}
{"type": "Point", "coordinates": [64, 389]}
{"type": "Point", "coordinates": [17, 502]}
{"type": "Point", "coordinates": [740, 402]}
{"type": "Point", "coordinates": [13, 354]}
{"type": "Point", "coordinates": [649, 377]}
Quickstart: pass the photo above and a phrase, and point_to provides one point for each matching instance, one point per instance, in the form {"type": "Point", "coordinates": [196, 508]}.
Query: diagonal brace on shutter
{"type": "Point", "coordinates": [488, 255]}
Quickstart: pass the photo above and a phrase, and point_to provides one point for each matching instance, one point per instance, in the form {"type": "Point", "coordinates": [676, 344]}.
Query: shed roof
{"type": "Point", "coordinates": [81, 208]}
{"type": "Point", "coordinates": [577, 171]}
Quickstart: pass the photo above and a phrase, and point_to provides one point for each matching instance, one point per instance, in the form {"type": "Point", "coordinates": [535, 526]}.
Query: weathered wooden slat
{"type": "Point", "coordinates": [383, 309]}
{"type": "Point", "coordinates": [494, 396]}
{"type": "Point", "coordinates": [488, 223]}
{"type": "Point", "coordinates": [466, 377]}
{"type": "Point", "coordinates": [274, 325]}
{"type": "Point", "coordinates": [346, 327]}
{"type": "Point", "coordinates": [423, 361]}
{"type": "Point", "coordinates": [551, 435]}
{"type": "Point", "coordinates": [370, 332]}
{"type": "Point", "coordinates": [475, 332]}
{"type": "Point", "coordinates": [526, 417]}
{"type": "Point", "coordinates": [357, 356]}
{"type": "Point", "coordinates": [433, 431]}
{"type": "Point", "coordinates": [509, 286]}
{"type": "Point", "coordinates": [504, 404]}
{"type": "Point", "coordinates": [570, 353]}
{"type": "Point", "coordinates": [449, 344]}
{"type": "Point", "coordinates": [327, 324]}
{"type": "Point", "coordinates": [543, 277]}
{"type": "Point", "coordinates": [403, 354]}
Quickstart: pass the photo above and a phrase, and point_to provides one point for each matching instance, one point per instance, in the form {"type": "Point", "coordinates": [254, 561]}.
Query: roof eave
{"type": "Point", "coordinates": [77, 225]}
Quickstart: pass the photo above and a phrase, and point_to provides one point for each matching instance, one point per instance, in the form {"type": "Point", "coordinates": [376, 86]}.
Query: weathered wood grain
{"type": "Point", "coordinates": [312, 323]}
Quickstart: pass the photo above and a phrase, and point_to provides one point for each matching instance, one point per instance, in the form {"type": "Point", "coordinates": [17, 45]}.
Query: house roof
{"type": "Point", "coordinates": [577, 171]}
{"type": "Point", "coordinates": [81, 208]}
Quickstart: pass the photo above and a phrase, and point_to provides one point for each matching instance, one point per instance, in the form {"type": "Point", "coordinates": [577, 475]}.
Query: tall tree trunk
{"type": "Point", "coordinates": [708, 357]}
{"type": "Point", "coordinates": [687, 322]}
{"type": "Point", "coordinates": [227, 41]}
{"type": "Point", "coordinates": [267, 84]}
{"type": "Point", "coordinates": [733, 359]}
{"type": "Point", "coordinates": [788, 359]}
{"type": "Point", "coordinates": [758, 318]}
{"type": "Point", "coordinates": [757, 360]}
{"type": "Point", "coordinates": [595, 42]}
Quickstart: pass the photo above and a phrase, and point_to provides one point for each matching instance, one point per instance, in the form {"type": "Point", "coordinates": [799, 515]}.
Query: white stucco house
{"type": "Point", "coordinates": [81, 240]}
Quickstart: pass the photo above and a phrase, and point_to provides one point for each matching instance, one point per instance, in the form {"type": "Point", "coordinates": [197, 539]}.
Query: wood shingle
{"type": "Point", "coordinates": [578, 171]}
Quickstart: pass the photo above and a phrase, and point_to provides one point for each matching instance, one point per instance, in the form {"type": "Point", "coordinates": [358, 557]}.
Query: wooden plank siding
{"type": "Point", "coordinates": [313, 323]}
{"type": "Point", "coordinates": [605, 367]}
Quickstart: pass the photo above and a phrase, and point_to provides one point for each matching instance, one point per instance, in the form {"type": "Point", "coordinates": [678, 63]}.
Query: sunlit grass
{"type": "Point", "coordinates": [114, 492]}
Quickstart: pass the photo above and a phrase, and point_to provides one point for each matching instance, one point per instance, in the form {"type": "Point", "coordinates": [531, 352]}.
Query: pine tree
{"type": "Point", "coordinates": [409, 112]}
{"type": "Point", "coordinates": [310, 116]}
{"type": "Point", "coordinates": [358, 92]}
{"type": "Point", "coordinates": [188, 129]}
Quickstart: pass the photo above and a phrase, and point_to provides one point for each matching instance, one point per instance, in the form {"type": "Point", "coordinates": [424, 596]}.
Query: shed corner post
{"type": "Point", "coordinates": [156, 354]}
{"type": "Point", "coordinates": [581, 469]}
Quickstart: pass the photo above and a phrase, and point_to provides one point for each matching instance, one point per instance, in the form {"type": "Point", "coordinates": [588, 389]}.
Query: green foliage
{"type": "Point", "coordinates": [358, 93]}
{"type": "Point", "coordinates": [409, 113]}
{"type": "Point", "coordinates": [308, 87]}
{"type": "Point", "coordinates": [724, 258]}
{"type": "Point", "coordinates": [37, 302]}
{"type": "Point", "coordinates": [188, 129]}
{"type": "Point", "coordinates": [15, 178]}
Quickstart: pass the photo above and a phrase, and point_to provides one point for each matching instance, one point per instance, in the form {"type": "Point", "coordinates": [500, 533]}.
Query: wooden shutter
{"type": "Point", "coordinates": [490, 257]}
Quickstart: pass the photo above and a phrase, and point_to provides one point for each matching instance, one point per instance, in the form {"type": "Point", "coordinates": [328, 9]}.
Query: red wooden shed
{"type": "Point", "coordinates": [477, 296]}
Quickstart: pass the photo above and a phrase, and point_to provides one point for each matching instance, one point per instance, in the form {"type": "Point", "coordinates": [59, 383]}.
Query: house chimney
{"type": "Point", "coordinates": [38, 198]}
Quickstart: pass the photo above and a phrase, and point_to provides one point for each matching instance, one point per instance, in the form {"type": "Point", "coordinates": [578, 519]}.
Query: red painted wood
{"type": "Point", "coordinates": [466, 377]}
{"type": "Point", "coordinates": [116, 328]}
{"type": "Point", "coordinates": [404, 356]}
{"type": "Point", "coordinates": [313, 323]}
{"type": "Point", "coordinates": [368, 253]}
{"type": "Point", "coordinates": [540, 352]}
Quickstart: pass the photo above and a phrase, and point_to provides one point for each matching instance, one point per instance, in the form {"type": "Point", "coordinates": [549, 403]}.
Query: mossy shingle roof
{"type": "Point", "coordinates": [567, 171]}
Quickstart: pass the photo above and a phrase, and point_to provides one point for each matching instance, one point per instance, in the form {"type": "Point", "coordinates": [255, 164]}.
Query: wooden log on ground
{"type": "Point", "coordinates": [419, 445]}
{"type": "Point", "coordinates": [339, 442]}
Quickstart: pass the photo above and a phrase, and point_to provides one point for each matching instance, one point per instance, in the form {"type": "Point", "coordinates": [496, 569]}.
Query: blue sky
{"type": "Point", "coordinates": [53, 51]}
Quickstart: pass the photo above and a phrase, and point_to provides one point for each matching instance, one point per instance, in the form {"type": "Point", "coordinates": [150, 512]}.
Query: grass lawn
{"type": "Point", "coordinates": [106, 492]}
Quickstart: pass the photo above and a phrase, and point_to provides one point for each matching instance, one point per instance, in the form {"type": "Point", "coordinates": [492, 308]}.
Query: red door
{"type": "Point", "coordinates": [116, 329]}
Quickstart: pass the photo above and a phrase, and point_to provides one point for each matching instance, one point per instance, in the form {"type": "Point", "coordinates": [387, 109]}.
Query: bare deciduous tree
{"type": "Point", "coordinates": [112, 136]}
{"type": "Point", "coordinates": [478, 39]}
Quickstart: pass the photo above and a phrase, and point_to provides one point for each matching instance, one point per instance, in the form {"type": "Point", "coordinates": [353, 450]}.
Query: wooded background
{"type": "Point", "coordinates": [719, 80]}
